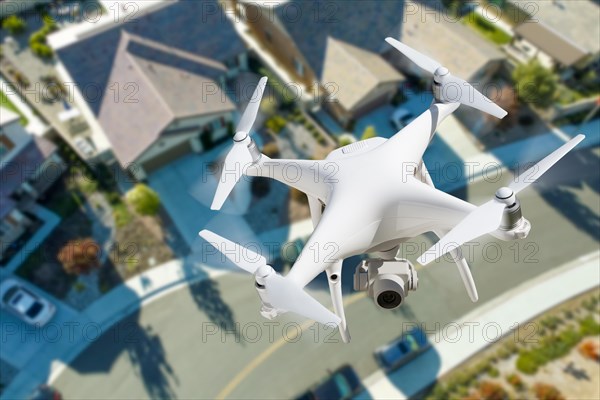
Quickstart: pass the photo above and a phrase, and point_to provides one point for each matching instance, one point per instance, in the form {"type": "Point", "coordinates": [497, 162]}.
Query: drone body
{"type": "Point", "coordinates": [369, 197]}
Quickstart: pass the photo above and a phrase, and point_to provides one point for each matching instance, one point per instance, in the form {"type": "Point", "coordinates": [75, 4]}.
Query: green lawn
{"type": "Point", "coordinates": [486, 28]}
{"type": "Point", "coordinates": [6, 103]}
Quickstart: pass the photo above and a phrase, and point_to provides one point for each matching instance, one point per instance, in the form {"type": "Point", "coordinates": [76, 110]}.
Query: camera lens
{"type": "Point", "coordinates": [389, 299]}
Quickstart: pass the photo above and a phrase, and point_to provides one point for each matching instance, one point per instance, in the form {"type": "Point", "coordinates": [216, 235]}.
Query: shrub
{"type": "Point", "coordinates": [369, 133]}
{"type": "Point", "coordinates": [276, 123]}
{"type": "Point", "coordinates": [493, 372]}
{"type": "Point", "coordinates": [589, 349]}
{"type": "Point", "coordinates": [589, 326]}
{"type": "Point", "coordinates": [544, 391]}
{"type": "Point", "coordinates": [79, 256]}
{"type": "Point", "coordinates": [271, 150]}
{"type": "Point", "coordinates": [144, 200]}
{"type": "Point", "coordinates": [492, 391]}
{"type": "Point", "coordinates": [549, 348]}
{"type": "Point", "coordinates": [535, 84]}
{"type": "Point", "coordinates": [41, 50]}
{"type": "Point", "coordinates": [14, 24]}
{"type": "Point", "coordinates": [515, 381]}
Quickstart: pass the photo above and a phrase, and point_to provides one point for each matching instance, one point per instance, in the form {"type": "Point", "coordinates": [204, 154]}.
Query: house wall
{"type": "Point", "coordinates": [12, 227]}
{"type": "Point", "coordinates": [174, 145]}
{"type": "Point", "coordinates": [11, 7]}
{"type": "Point", "coordinates": [265, 29]}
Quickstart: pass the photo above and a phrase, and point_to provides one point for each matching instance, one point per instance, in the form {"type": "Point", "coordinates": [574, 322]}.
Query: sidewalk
{"type": "Point", "coordinates": [35, 125]}
{"type": "Point", "coordinates": [487, 324]}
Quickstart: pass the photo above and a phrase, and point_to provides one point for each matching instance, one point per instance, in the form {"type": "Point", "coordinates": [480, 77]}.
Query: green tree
{"type": "Point", "coordinates": [14, 24]}
{"type": "Point", "coordinates": [369, 133]}
{"type": "Point", "coordinates": [144, 200]}
{"type": "Point", "coordinates": [535, 84]}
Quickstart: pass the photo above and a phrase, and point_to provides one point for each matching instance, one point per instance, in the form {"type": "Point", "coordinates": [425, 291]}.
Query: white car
{"type": "Point", "coordinates": [25, 304]}
{"type": "Point", "coordinates": [401, 117]}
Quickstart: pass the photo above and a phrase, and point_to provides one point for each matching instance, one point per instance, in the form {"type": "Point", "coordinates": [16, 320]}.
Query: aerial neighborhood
{"type": "Point", "coordinates": [115, 117]}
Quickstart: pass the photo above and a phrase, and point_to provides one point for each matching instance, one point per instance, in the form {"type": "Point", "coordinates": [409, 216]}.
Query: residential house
{"type": "Point", "coordinates": [155, 88]}
{"type": "Point", "coordinates": [562, 34]}
{"type": "Point", "coordinates": [334, 48]}
{"type": "Point", "coordinates": [458, 48]}
{"type": "Point", "coordinates": [11, 7]}
{"type": "Point", "coordinates": [29, 165]}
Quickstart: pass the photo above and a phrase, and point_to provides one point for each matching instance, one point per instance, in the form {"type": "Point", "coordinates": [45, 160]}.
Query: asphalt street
{"type": "Point", "coordinates": [173, 346]}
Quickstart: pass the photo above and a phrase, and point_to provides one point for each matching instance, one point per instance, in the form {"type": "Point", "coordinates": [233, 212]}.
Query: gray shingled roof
{"type": "Point", "coordinates": [183, 25]}
{"type": "Point", "coordinates": [356, 72]}
{"type": "Point", "coordinates": [550, 42]}
{"type": "Point", "coordinates": [575, 20]}
{"type": "Point", "coordinates": [364, 24]}
{"type": "Point", "coordinates": [452, 44]}
{"type": "Point", "coordinates": [169, 84]}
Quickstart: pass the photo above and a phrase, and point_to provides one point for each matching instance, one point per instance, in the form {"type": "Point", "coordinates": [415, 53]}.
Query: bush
{"type": "Point", "coordinates": [14, 24]}
{"type": "Point", "coordinates": [41, 50]}
{"type": "Point", "coordinates": [276, 123]}
{"type": "Point", "coordinates": [492, 391]}
{"type": "Point", "coordinates": [271, 150]}
{"type": "Point", "coordinates": [544, 391]}
{"type": "Point", "coordinates": [535, 84]}
{"type": "Point", "coordinates": [589, 326]}
{"type": "Point", "coordinates": [590, 349]}
{"type": "Point", "coordinates": [144, 200]}
{"type": "Point", "coordinates": [550, 348]}
{"type": "Point", "coordinates": [515, 381]}
{"type": "Point", "coordinates": [79, 256]}
{"type": "Point", "coordinates": [369, 133]}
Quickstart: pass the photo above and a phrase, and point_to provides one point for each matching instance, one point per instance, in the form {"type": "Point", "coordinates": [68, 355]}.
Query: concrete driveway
{"type": "Point", "coordinates": [186, 188]}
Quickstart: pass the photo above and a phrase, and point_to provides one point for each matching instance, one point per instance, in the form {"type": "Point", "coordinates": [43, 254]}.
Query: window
{"type": "Point", "coordinates": [299, 67]}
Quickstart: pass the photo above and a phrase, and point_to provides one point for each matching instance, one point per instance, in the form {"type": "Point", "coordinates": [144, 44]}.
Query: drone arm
{"type": "Point", "coordinates": [307, 176]}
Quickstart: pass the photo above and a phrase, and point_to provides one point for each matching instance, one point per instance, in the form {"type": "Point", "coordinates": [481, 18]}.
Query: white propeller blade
{"type": "Point", "coordinates": [533, 173]}
{"type": "Point", "coordinates": [466, 94]}
{"type": "Point", "coordinates": [487, 217]}
{"type": "Point", "coordinates": [454, 89]}
{"type": "Point", "coordinates": [286, 295]}
{"type": "Point", "coordinates": [484, 219]}
{"type": "Point", "coordinates": [236, 160]}
{"type": "Point", "coordinates": [247, 120]}
{"type": "Point", "coordinates": [244, 258]}
{"type": "Point", "coordinates": [421, 60]}
{"type": "Point", "coordinates": [282, 293]}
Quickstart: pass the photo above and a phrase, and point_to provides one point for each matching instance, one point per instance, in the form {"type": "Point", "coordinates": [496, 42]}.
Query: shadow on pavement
{"type": "Point", "coordinates": [577, 170]}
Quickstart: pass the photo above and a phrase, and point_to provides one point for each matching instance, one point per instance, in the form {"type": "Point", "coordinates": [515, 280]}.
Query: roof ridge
{"type": "Point", "coordinates": [133, 61]}
{"type": "Point", "coordinates": [177, 52]}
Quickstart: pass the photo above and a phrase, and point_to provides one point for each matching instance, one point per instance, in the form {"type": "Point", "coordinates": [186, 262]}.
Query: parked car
{"type": "Point", "coordinates": [45, 392]}
{"type": "Point", "coordinates": [402, 350]}
{"type": "Point", "coordinates": [25, 304]}
{"type": "Point", "coordinates": [401, 117]}
{"type": "Point", "coordinates": [342, 384]}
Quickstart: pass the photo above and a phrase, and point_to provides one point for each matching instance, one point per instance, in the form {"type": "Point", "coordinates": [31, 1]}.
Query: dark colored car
{"type": "Point", "coordinates": [45, 392]}
{"type": "Point", "coordinates": [342, 384]}
{"type": "Point", "coordinates": [402, 350]}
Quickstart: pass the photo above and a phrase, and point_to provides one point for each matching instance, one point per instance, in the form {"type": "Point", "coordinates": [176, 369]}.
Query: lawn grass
{"type": "Point", "coordinates": [486, 28]}
{"type": "Point", "coordinates": [6, 103]}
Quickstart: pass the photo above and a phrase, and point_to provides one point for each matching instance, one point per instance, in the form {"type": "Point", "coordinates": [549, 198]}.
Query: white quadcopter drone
{"type": "Point", "coordinates": [379, 196]}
